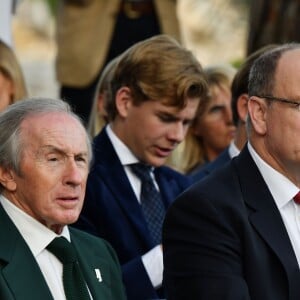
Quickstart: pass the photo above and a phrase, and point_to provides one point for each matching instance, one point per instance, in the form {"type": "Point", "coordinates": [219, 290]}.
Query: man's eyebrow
{"type": "Point", "coordinates": [52, 148]}
{"type": "Point", "coordinates": [83, 154]}
{"type": "Point", "coordinates": [218, 106]}
{"type": "Point", "coordinates": [168, 114]}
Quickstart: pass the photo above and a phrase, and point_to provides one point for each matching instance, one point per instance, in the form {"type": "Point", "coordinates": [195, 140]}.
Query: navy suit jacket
{"type": "Point", "coordinates": [21, 277]}
{"type": "Point", "coordinates": [224, 238]}
{"type": "Point", "coordinates": [211, 166]}
{"type": "Point", "coordinates": [111, 210]}
{"type": "Point", "coordinates": [222, 159]}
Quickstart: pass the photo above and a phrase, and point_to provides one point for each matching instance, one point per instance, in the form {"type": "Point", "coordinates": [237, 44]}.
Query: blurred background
{"type": "Point", "coordinates": [215, 30]}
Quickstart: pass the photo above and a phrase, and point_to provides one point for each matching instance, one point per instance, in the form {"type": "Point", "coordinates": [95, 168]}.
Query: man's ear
{"type": "Point", "coordinates": [257, 109]}
{"type": "Point", "coordinates": [123, 101]}
{"type": "Point", "coordinates": [242, 107]}
{"type": "Point", "coordinates": [7, 179]}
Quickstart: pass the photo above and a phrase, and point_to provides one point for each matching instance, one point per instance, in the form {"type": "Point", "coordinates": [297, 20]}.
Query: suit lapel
{"type": "Point", "coordinates": [167, 186]}
{"type": "Point", "coordinates": [219, 161]}
{"type": "Point", "coordinates": [96, 271]}
{"type": "Point", "coordinates": [116, 177]}
{"type": "Point", "coordinates": [18, 266]}
{"type": "Point", "coordinates": [264, 215]}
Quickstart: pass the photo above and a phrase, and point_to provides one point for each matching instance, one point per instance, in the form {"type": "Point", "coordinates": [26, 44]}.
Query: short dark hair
{"type": "Point", "coordinates": [262, 73]}
{"type": "Point", "coordinates": [240, 82]}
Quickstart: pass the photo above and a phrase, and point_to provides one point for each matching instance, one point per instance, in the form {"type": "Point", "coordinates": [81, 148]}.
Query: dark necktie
{"type": "Point", "coordinates": [74, 284]}
{"type": "Point", "coordinates": [151, 202]}
{"type": "Point", "coordinates": [297, 198]}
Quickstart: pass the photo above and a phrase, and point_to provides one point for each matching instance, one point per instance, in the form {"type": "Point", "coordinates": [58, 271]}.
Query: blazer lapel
{"type": "Point", "coordinates": [265, 216]}
{"type": "Point", "coordinates": [96, 272]}
{"type": "Point", "coordinates": [18, 266]}
{"type": "Point", "coordinates": [167, 186]}
{"type": "Point", "coordinates": [116, 179]}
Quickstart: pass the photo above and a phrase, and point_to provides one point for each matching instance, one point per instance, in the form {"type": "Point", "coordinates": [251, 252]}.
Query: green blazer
{"type": "Point", "coordinates": [22, 279]}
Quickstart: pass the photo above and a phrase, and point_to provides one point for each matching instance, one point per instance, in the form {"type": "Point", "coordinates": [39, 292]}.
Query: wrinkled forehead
{"type": "Point", "coordinates": [53, 127]}
{"type": "Point", "coordinates": [50, 120]}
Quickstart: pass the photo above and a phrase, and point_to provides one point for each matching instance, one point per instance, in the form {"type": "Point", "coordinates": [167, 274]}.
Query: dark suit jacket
{"type": "Point", "coordinates": [22, 279]}
{"type": "Point", "coordinates": [112, 211]}
{"type": "Point", "coordinates": [224, 239]}
{"type": "Point", "coordinates": [210, 167]}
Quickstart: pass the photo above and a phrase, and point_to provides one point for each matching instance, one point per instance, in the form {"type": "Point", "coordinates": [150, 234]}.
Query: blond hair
{"type": "Point", "coordinates": [10, 68]}
{"type": "Point", "coordinates": [158, 69]}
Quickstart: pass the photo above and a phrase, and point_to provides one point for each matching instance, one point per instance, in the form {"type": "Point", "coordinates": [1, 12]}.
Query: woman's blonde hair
{"type": "Point", "coordinates": [10, 68]}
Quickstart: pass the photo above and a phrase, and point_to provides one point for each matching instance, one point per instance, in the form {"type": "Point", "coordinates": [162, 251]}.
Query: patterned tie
{"type": "Point", "coordinates": [151, 202]}
{"type": "Point", "coordinates": [74, 284]}
{"type": "Point", "coordinates": [297, 198]}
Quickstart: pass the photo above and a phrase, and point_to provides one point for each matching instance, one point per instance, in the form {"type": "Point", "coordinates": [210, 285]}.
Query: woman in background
{"type": "Point", "coordinates": [12, 83]}
{"type": "Point", "coordinates": [213, 129]}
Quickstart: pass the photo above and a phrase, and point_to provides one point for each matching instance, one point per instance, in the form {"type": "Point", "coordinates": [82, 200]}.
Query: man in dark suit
{"type": "Point", "coordinates": [235, 234]}
{"type": "Point", "coordinates": [239, 92]}
{"type": "Point", "coordinates": [44, 162]}
{"type": "Point", "coordinates": [156, 89]}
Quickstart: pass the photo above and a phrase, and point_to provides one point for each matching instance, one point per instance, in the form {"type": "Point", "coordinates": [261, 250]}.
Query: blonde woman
{"type": "Point", "coordinates": [213, 129]}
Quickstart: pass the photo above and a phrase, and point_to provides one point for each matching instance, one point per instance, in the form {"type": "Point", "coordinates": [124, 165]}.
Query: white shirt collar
{"type": "Point", "coordinates": [281, 188]}
{"type": "Point", "coordinates": [125, 155]}
{"type": "Point", "coordinates": [36, 235]}
{"type": "Point", "coordinates": [233, 150]}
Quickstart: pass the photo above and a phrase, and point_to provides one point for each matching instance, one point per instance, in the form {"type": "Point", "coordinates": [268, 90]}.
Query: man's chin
{"type": "Point", "coordinates": [157, 161]}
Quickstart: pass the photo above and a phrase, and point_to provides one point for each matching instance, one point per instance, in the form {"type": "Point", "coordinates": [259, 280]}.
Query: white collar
{"type": "Point", "coordinates": [233, 150]}
{"type": "Point", "coordinates": [36, 235]}
{"type": "Point", "coordinates": [281, 188]}
{"type": "Point", "coordinates": [124, 153]}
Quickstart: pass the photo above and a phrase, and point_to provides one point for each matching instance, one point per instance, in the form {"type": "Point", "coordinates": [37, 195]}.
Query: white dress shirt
{"type": "Point", "coordinates": [153, 259]}
{"type": "Point", "coordinates": [283, 191]}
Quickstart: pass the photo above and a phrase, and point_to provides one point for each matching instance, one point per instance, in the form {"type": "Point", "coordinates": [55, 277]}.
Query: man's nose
{"type": "Point", "coordinates": [73, 173]}
{"type": "Point", "coordinates": [177, 132]}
